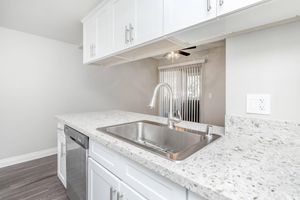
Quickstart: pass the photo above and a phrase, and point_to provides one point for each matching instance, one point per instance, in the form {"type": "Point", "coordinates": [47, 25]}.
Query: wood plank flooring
{"type": "Point", "coordinates": [33, 180]}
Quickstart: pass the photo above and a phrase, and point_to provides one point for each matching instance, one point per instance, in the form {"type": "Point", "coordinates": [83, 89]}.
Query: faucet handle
{"type": "Point", "coordinates": [209, 130]}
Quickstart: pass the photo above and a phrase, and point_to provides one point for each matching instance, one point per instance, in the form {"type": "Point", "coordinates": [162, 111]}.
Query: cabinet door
{"type": "Point", "coordinates": [128, 193]}
{"type": "Point", "coordinates": [102, 185]}
{"type": "Point", "coordinates": [149, 20]}
{"type": "Point", "coordinates": [105, 31]}
{"type": "Point", "coordinates": [180, 14]}
{"type": "Point", "coordinates": [89, 39]}
{"type": "Point", "coordinates": [228, 6]}
{"type": "Point", "coordinates": [124, 21]}
{"type": "Point", "coordinates": [61, 156]}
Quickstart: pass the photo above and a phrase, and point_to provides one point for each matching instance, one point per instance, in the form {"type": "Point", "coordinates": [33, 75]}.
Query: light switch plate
{"type": "Point", "coordinates": [259, 104]}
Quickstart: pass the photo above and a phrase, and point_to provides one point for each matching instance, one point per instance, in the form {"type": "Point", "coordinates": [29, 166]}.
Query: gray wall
{"type": "Point", "coordinates": [41, 78]}
{"type": "Point", "coordinates": [266, 61]}
{"type": "Point", "coordinates": [213, 99]}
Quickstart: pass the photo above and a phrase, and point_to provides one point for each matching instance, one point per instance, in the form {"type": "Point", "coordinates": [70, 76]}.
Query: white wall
{"type": "Point", "coordinates": [213, 85]}
{"type": "Point", "coordinates": [40, 78]}
{"type": "Point", "coordinates": [266, 61]}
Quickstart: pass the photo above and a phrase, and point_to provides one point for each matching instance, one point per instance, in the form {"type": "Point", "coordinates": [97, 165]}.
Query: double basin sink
{"type": "Point", "coordinates": [174, 144]}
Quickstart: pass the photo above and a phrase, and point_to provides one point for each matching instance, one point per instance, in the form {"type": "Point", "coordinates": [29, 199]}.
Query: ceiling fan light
{"type": "Point", "coordinates": [172, 55]}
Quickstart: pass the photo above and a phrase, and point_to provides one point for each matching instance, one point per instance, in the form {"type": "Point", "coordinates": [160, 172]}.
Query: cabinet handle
{"type": "Point", "coordinates": [111, 193]}
{"type": "Point", "coordinates": [126, 35]}
{"type": "Point", "coordinates": [221, 2]}
{"type": "Point", "coordinates": [119, 196]}
{"type": "Point", "coordinates": [208, 5]}
{"type": "Point", "coordinates": [131, 32]}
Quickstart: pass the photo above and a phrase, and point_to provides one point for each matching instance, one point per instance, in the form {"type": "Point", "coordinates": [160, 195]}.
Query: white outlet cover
{"type": "Point", "coordinates": [259, 104]}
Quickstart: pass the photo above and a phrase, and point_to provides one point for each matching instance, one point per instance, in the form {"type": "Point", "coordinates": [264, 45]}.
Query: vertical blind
{"type": "Point", "coordinates": [186, 83]}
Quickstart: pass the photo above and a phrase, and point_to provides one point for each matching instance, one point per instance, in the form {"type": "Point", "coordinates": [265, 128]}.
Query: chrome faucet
{"type": "Point", "coordinates": [171, 119]}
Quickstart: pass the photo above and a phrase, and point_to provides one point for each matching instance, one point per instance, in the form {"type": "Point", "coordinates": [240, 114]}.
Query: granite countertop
{"type": "Point", "coordinates": [254, 160]}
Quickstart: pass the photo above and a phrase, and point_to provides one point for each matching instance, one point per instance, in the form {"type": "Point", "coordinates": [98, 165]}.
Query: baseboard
{"type": "Point", "coordinates": [27, 157]}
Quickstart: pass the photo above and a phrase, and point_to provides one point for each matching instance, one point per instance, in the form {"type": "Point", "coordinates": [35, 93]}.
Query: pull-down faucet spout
{"type": "Point", "coordinates": [171, 119]}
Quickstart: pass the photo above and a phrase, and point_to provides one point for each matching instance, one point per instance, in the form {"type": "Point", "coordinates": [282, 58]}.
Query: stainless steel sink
{"type": "Point", "coordinates": [174, 144]}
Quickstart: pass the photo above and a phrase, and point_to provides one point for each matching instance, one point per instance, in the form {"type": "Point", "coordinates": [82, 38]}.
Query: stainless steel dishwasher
{"type": "Point", "coordinates": [77, 155]}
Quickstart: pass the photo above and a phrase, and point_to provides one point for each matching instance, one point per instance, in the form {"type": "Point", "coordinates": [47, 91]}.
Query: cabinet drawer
{"type": "Point", "coordinates": [107, 158]}
{"type": "Point", "coordinates": [149, 184]}
{"type": "Point", "coordinates": [154, 186]}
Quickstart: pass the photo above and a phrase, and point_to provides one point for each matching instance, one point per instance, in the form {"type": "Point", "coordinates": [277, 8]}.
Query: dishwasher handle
{"type": "Point", "coordinates": [77, 142]}
{"type": "Point", "coordinates": [77, 137]}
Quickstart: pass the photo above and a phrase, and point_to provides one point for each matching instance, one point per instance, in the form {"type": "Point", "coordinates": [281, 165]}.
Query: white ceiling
{"type": "Point", "coordinates": [56, 19]}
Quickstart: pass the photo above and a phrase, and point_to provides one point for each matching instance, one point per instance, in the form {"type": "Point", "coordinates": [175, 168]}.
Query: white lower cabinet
{"type": "Point", "coordinates": [128, 193]}
{"type": "Point", "coordinates": [103, 185]}
{"type": "Point", "coordinates": [61, 154]}
{"type": "Point", "coordinates": [114, 177]}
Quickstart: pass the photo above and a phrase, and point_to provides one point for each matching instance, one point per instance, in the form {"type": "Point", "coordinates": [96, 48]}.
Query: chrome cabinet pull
{"type": "Point", "coordinates": [221, 2]}
{"type": "Point", "coordinates": [131, 32]}
{"type": "Point", "coordinates": [119, 196]}
{"type": "Point", "coordinates": [126, 35]}
{"type": "Point", "coordinates": [208, 5]}
{"type": "Point", "coordinates": [112, 191]}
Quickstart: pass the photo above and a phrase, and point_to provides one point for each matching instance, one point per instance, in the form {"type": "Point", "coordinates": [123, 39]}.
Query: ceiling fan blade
{"type": "Point", "coordinates": [184, 53]}
{"type": "Point", "coordinates": [193, 47]}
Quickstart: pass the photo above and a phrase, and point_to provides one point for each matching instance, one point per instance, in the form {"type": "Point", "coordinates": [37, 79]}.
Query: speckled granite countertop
{"type": "Point", "coordinates": [255, 160]}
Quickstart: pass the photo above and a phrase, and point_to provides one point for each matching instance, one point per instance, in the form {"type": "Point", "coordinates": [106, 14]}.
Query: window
{"type": "Point", "coordinates": [185, 81]}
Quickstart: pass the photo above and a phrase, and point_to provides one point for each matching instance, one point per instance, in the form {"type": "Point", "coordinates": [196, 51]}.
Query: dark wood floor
{"type": "Point", "coordinates": [33, 180]}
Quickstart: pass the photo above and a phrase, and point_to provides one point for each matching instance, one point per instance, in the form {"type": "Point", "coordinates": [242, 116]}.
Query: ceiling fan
{"type": "Point", "coordinates": [176, 54]}
{"type": "Point", "coordinates": [184, 53]}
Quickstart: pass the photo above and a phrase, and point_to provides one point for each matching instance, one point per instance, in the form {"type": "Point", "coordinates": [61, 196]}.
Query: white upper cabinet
{"type": "Point", "coordinates": [120, 31]}
{"type": "Point", "coordinates": [179, 14]}
{"type": "Point", "coordinates": [124, 23]}
{"type": "Point", "coordinates": [137, 21]}
{"type": "Point", "coordinates": [149, 20]}
{"type": "Point", "coordinates": [105, 31]}
{"type": "Point", "coordinates": [228, 6]}
{"type": "Point", "coordinates": [89, 39]}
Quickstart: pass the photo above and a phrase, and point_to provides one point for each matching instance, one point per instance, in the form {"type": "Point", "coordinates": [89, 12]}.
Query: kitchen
{"type": "Point", "coordinates": [163, 99]}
